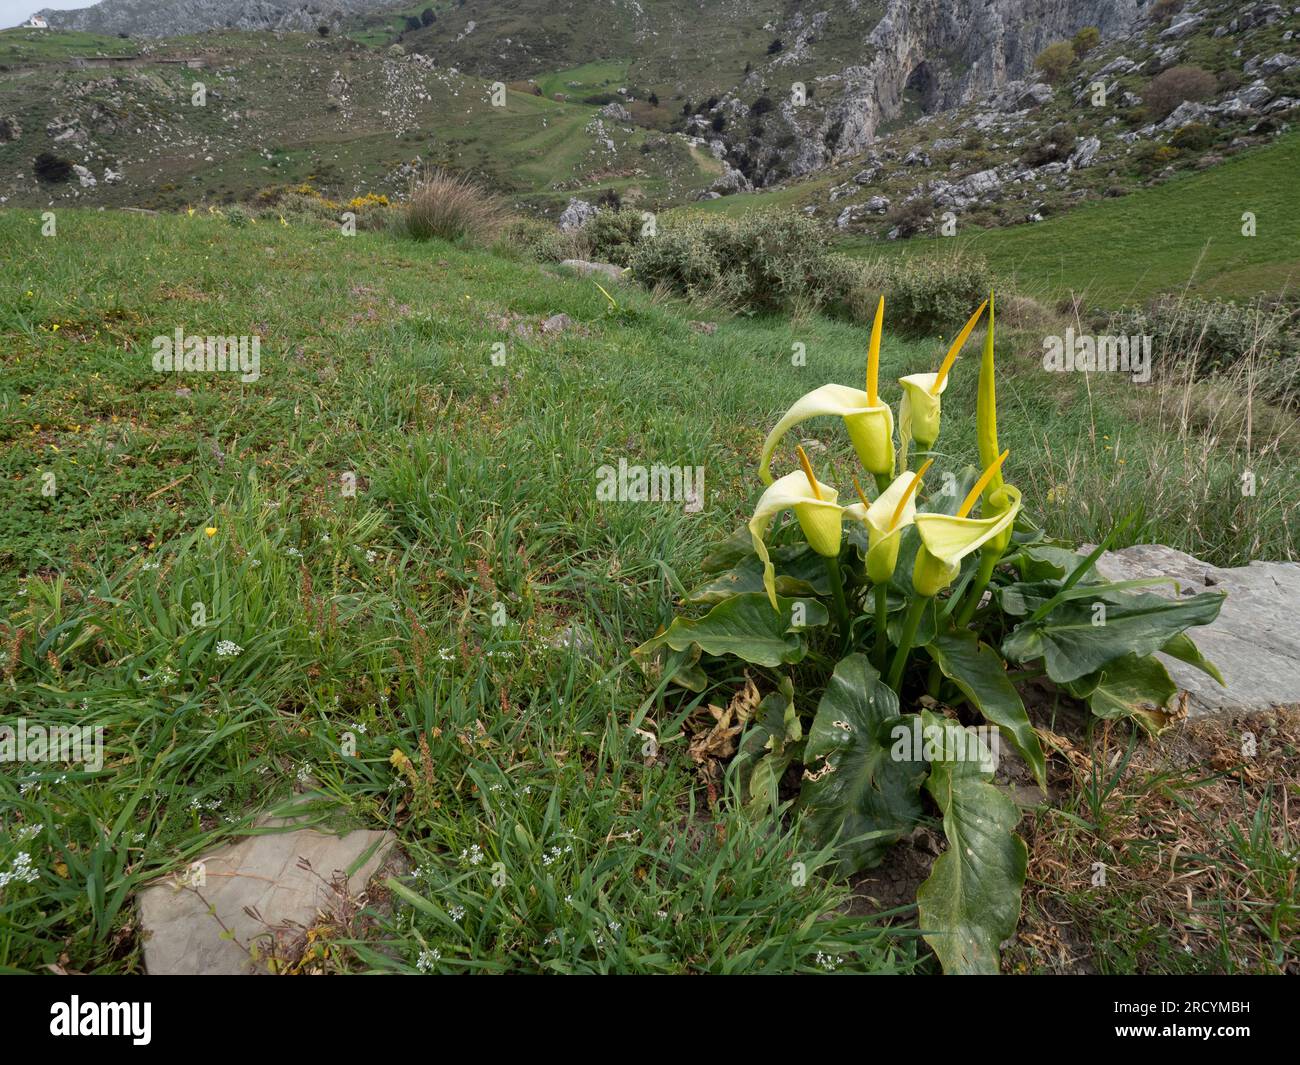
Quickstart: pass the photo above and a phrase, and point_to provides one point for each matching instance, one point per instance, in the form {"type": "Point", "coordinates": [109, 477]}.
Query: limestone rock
{"type": "Point", "coordinates": [262, 873]}
{"type": "Point", "coordinates": [1255, 641]}
{"type": "Point", "coordinates": [585, 269]}
{"type": "Point", "coordinates": [577, 214]}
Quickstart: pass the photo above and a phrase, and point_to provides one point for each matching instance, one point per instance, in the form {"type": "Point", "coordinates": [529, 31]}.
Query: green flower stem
{"type": "Point", "coordinates": [883, 481]}
{"type": "Point", "coordinates": [910, 623]}
{"type": "Point", "coordinates": [988, 560]}
{"type": "Point", "coordinates": [841, 606]}
{"type": "Point", "coordinates": [882, 624]}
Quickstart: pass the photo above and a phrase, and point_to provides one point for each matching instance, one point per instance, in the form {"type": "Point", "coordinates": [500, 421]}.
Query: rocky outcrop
{"type": "Point", "coordinates": [945, 53]}
{"type": "Point", "coordinates": [577, 214]}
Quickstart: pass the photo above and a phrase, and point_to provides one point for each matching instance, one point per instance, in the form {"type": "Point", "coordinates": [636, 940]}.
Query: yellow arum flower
{"type": "Point", "coordinates": [892, 512]}
{"type": "Point", "coordinates": [814, 505]}
{"type": "Point", "coordinates": [998, 496]}
{"type": "Point", "coordinates": [869, 422]}
{"type": "Point", "coordinates": [918, 416]}
{"type": "Point", "coordinates": [948, 538]}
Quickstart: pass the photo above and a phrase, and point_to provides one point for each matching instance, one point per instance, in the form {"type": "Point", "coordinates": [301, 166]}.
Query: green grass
{"type": "Point", "coordinates": [21, 46]}
{"type": "Point", "coordinates": [602, 76]}
{"type": "Point", "coordinates": [1184, 234]}
{"type": "Point", "coordinates": [475, 487]}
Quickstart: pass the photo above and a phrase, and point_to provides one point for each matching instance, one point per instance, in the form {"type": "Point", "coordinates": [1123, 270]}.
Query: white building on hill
{"type": "Point", "coordinates": [36, 23]}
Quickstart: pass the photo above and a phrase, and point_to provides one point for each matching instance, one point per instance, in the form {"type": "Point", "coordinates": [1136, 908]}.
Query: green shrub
{"type": "Point", "coordinates": [923, 295]}
{"type": "Point", "coordinates": [614, 234]}
{"type": "Point", "coordinates": [759, 262]}
{"type": "Point", "coordinates": [51, 169]}
{"type": "Point", "coordinates": [909, 217]}
{"type": "Point", "coordinates": [1174, 86]}
{"type": "Point", "coordinates": [238, 216]}
{"type": "Point", "coordinates": [1052, 146]}
{"type": "Point", "coordinates": [1214, 336]}
{"type": "Point", "coordinates": [544, 242]}
{"type": "Point", "coordinates": [1193, 137]}
{"type": "Point", "coordinates": [1085, 40]}
{"type": "Point", "coordinates": [452, 207]}
{"type": "Point", "coordinates": [1054, 60]}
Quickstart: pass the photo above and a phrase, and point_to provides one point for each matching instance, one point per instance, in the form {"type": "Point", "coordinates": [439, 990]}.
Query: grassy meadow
{"type": "Point", "coordinates": [184, 561]}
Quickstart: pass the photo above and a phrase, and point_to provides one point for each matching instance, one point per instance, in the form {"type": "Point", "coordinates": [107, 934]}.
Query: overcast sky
{"type": "Point", "coordinates": [15, 12]}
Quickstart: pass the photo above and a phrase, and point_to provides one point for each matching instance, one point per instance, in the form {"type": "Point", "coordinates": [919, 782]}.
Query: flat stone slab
{"type": "Point", "coordinates": [1255, 641]}
{"type": "Point", "coordinates": [261, 873]}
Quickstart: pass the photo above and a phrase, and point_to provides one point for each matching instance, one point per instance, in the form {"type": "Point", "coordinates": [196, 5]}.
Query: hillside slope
{"type": "Point", "coordinates": [287, 108]}
{"type": "Point", "coordinates": [1184, 234]}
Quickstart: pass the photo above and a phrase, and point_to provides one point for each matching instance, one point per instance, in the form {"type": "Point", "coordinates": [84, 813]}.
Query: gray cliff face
{"type": "Point", "coordinates": [169, 18]}
{"type": "Point", "coordinates": [946, 53]}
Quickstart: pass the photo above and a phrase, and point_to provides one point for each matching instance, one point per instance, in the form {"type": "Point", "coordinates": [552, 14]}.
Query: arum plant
{"type": "Point", "coordinates": [868, 421]}
{"type": "Point", "coordinates": [904, 574]}
{"type": "Point", "coordinates": [892, 512]}
{"type": "Point", "coordinates": [918, 415]}
{"type": "Point", "coordinates": [945, 541]}
{"type": "Point", "coordinates": [819, 515]}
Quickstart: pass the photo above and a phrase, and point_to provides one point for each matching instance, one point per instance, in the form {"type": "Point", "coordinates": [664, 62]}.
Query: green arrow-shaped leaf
{"type": "Point", "coordinates": [978, 671]}
{"type": "Point", "coordinates": [971, 901]}
{"type": "Point", "coordinates": [1136, 687]}
{"type": "Point", "coordinates": [854, 791]}
{"type": "Point", "coordinates": [745, 626]}
{"type": "Point", "coordinates": [1074, 639]}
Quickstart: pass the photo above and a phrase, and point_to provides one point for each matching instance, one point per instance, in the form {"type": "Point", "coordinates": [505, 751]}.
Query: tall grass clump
{"type": "Point", "coordinates": [453, 207]}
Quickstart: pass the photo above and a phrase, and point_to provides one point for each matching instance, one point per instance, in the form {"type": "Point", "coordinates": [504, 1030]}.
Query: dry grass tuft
{"type": "Point", "coordinates": [453, 207]}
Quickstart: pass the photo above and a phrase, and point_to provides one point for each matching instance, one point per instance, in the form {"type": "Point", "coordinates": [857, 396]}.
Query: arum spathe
{"type": "Point", "coordinates": [998, 496]}
{"type": "Point", "coordinates": [814, 505]}
{"type": "Point", "coordinates": [948, 538]}
{"type": "Point", "coordinates": [869, 422]}
{"type": "Point", "coordinates": [918, 414]}
{"type": "Point", "coordinates": [891, 513]}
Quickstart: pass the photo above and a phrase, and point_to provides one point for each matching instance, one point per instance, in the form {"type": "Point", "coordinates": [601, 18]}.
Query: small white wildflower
{"type": "Point", "coordinates": [293, 552]}
{"type": "Point", "coordinates": [456, 912]}
{"type": "Point", "coordinates": [228, 649]}
{"type": "Point", "coordinates": [22, 872]}
{"type": "Point", "coordinates": [371, 556]}
{"type": "Point", "coordinates": [474, 855]}
{"type": "Point", "coordinates": [427, 960]}
{"type": "Point", "coordinates": [27, 832]}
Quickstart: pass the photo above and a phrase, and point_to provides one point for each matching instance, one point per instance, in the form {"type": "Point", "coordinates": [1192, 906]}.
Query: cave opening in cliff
{"type": "Point", "coordinates": [921, 90]}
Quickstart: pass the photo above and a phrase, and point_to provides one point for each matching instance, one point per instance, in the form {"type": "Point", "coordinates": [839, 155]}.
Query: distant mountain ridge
{"type": "Point", "coordinates": [171, 18]}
